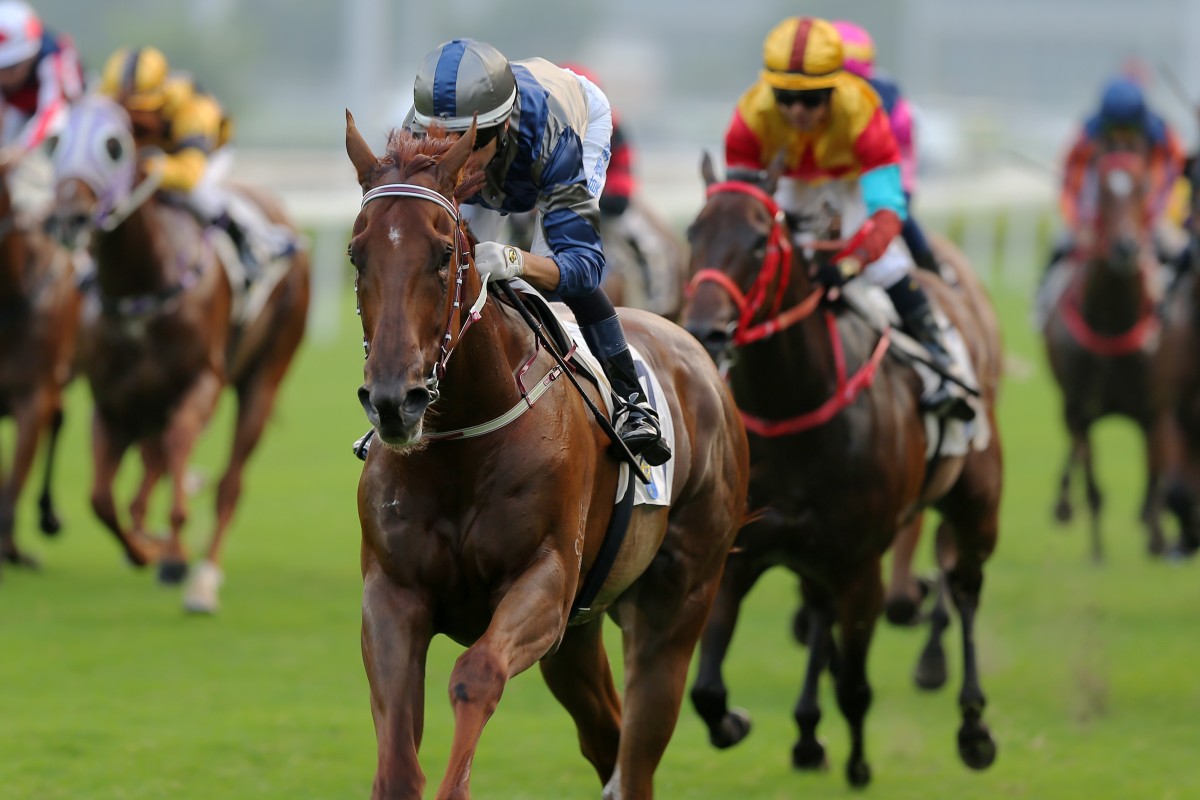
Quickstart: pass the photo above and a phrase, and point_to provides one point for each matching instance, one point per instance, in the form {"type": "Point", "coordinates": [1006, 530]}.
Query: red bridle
{"type": "Point", "coordinates": [773, 277]}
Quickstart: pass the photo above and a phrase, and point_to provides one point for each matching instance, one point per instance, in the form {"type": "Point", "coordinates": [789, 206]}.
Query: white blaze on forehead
{"type": "Point", "coordinates": [394, 237]}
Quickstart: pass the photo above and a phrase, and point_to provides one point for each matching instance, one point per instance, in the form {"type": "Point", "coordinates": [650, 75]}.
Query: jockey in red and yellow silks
{"type": "Point", "coordinates": [839, 149]}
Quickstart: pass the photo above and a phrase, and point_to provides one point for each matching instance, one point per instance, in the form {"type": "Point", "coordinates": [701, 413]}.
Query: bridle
{"type": "Point", "coordinates": [775, 272]}
{"type": "Point", "coordinates": [461, 255]}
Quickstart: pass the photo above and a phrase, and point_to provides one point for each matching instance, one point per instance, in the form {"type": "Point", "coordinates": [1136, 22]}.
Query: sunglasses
{"type": "Point", "coordinates": [809, 98]}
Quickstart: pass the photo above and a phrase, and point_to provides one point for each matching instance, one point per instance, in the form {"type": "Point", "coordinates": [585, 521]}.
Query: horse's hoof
{"type": "Point", "coordinates": [902, 612]}
{"type": "Point", "coordinates": [930, 673]}
{"type": "Point", "coordinates": [858, 773]}
{"type": "Point", "coordinates": [976, 747]}
{"type": "Point", "coordinates": [172, 573]}
{"type": "Point", "coordinates": [734, 727]}
{"type": "Point", "coordinates": [1063, 511]}
{"type": "Point", "coordinates": [19, 558]}
{"type": "Point", "coordinates": [201, 594]}
{"type": "Point", "coordinates": [809, 755]}
{"type": "Point", "coordinates": [50, 524]}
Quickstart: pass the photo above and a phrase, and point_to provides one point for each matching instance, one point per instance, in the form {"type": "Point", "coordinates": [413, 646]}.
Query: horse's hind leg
{"type": "Point", "coordinates": [930, 672]}
{"type": "Point", "coordinates": [661, 632]}
{"type": "Point", "coordinates": [858, 608]}
{"type": "Point", "coordinates": [709, 695]}
{"type": "Point", "coordinates": [1151, 515]}
{"type": "Point", "coordinates": [904, 593]}
{"type": "Point", "coordinates": [579, 676]}
{"type": "Point", "coordinates": [49, 521]}
{"type": "Point", "coordinates": [172, 566]}
{"type": "Point", "coordinates": [1062, 509]}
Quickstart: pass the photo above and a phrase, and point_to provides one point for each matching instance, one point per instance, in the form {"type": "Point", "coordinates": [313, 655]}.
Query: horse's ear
{"type": "Point", "coordinates": [450, 168]}
{"type": "Point", "coordinates": [774, 170]}
{"type": "Point", "coordinates": [706, 169]}
{"type": "Point", "coordinates": [360, 152]}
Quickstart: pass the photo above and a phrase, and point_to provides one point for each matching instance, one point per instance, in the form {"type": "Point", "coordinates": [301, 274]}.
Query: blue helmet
{"type": "Point", "coordinates": [1122, 103]}
{"type": "Point", "coordinates": [459, 79]}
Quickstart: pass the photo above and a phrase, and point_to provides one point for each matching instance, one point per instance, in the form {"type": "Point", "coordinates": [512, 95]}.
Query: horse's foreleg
{"type": "Point", "coordinates": [107, 449]}
{"type": "Point", "coordinates": [808, 752]}
{"type": "Point", "coordinates": [31, 419]}
{"type": "Point", "coordinates": [526, 624]}
{"type": "Point", "coordinates": [858, 608]}
{"type": "Point", "coordinates": [579, 676]}
{"type": "Point", "coordinates": [709, 695]}
{"type": "Point", "coordinates": [49, 521]}
{"type": "Point", "coordinates": [396, 630]}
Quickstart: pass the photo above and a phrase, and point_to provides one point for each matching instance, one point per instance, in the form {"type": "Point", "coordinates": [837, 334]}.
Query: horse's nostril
{"type": "Point", "coordinates": [416, 401]}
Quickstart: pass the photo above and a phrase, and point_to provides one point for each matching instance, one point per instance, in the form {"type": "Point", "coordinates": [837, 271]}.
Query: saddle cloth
{"type": "Point", "coordinates": [944, 437]}
{"type": "Point", "coordinates": [249, 293]}
{"type": "Point", "coordinates": [658, 490]}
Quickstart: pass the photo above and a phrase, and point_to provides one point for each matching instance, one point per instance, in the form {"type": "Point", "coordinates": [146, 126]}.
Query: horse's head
{"type": "Point", "coordinates": [95, 163]}
{"type": "Point", "coordinates": [741, 261]}
{"type": "Point", "coordinates": [1122, 220]}
{"type": "Point", "coordinates": [410, 254]}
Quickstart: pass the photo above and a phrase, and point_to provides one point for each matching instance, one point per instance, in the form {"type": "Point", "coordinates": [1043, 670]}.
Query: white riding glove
{"type": "Point", "coordinates": [500, 261]}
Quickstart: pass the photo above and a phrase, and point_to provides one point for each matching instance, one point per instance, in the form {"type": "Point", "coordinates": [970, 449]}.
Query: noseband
{"type": "Point", "coordinates": [462, 255]}
{"type": "Point", "coordinates": [776, 270]}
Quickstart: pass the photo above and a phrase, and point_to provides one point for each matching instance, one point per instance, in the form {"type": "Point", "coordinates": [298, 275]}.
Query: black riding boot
{"type": "Point", "coordinates": [242, 242]}
{"type": "Point", "coordinates": [916, 315]}
{"type": "Point", "coordinates": [640, 431]}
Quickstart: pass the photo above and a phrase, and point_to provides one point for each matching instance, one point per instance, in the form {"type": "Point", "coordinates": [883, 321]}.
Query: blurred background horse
{"type": "Point", "coordinates": [39, 323]}
{"type": "Point", "coordinates": [1101, 333]}
{"type": "Point", "coordinates": [167, 330]}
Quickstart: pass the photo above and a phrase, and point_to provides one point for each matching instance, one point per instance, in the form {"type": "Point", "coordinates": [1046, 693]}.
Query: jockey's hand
{"type": "Point", "coordinates": [834, 274]}
{"type": "Point", "coordinates": [500, 261]}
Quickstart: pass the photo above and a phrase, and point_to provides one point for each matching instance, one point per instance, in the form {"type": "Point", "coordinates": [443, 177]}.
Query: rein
{"type": "Point", "coordinates": [1131, 341]}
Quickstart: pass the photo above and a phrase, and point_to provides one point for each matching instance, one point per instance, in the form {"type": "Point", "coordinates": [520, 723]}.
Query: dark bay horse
{"type": "Point", "coordinates": [39, 323]}
{"type": "Point", "coordinates": [161, 341]}
{"type": "Point", "coordinates": [485, 531]}
{"type": "Point", "coordinates": [838, 464]}
{"type": "Point", "coordinates": [1102, 333]}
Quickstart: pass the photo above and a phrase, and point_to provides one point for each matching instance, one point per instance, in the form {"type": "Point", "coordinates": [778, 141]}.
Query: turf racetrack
{"type": "Point", "coordinates": [108, 691]}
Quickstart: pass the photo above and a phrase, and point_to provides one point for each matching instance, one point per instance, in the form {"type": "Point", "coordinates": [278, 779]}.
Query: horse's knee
{"type": "Point", "coordinates": [478, 678]}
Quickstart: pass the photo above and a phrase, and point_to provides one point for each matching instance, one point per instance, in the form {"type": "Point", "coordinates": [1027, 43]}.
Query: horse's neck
{"type": "Point", "coordinates": [13, 262]}
{"type": "Point", "coordinates": [479, 385]}
{"type": "Point", "coordinates": [1112, 300]}
{"type": "Point", "coordinates": [132, 258]}
{"type": "Point", "coordinates": [799, 360]}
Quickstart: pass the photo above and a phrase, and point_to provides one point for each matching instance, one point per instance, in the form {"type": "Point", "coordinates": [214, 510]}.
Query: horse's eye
{"type": "Point", "coordinates": [447, 254]}
{"type": "Point", "coordinates": [350, 255]}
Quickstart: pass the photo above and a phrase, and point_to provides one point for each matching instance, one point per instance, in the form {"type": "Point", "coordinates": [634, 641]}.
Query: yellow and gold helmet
{"type": "Point", "coordinates": [802, 53]}
{"type": "Point", "coordinates": [136, 77]}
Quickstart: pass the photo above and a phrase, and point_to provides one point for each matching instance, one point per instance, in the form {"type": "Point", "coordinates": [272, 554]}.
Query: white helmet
{"type": "Point", "coordinates": [20, 33]}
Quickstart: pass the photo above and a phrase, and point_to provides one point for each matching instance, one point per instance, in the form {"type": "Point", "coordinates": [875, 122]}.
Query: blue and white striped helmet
{"type": "Point", "coordinates": [462, 78]}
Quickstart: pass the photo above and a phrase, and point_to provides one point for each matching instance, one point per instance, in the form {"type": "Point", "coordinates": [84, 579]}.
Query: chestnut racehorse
{"type": "Point", "coordinates": [163, 342]}
{"type": "Point", "coordinates": [1102, 333]}
{"type": "Point", "coordinates": [483, 526]}
{"type": "Point", "coordinates": [39, 323]}
{"type": "Point", "coordinates": [838, 463]}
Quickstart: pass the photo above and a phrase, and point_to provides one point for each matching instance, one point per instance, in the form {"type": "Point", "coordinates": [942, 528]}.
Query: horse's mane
{"type": "Point", "coordinates": [410, 154]}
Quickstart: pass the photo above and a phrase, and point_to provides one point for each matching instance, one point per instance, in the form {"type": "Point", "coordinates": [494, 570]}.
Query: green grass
{"type": "Point", "coordinates": [107, 691]}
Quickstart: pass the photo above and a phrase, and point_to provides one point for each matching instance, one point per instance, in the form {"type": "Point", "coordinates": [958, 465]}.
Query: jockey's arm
{"type": "Point", "coordinates": [194, 131]}
{"type": "Point", "coordinates": [743, 149]}
{"type": "Point", "coordinates": [1166, 165]}
{"type": "Point", "coordinates": [882, 191]}
{"type": "Point", "coordinates": [58, 81]}
{"type": "Point", "coordinates": [1072, 185]}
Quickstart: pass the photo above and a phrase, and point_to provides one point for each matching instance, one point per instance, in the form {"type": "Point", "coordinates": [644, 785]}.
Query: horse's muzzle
{"type": "Point", "coordinates": [395, 411]}
{"type": "Point", "coordinates": [68, 229]}
{"type": "Point", "coordinates": [718, 342]}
